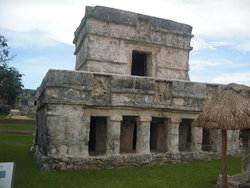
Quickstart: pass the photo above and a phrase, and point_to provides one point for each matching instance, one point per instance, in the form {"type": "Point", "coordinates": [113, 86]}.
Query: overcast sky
{"type": "Point", "coordinates": [40, 33]}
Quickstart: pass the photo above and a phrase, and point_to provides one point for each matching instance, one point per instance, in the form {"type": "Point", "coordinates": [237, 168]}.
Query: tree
{"type": "Point", "coordinates": [4, 52]}
{"type": "Point", "coordinates": [10, 78]}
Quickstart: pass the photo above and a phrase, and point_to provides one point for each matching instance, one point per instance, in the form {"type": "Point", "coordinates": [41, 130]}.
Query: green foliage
{"type": "Point", "coordinates": [10, 84]}
{"type": "Point", "coordinates": [32, 115]}
{"type": "Point", "coordinates": [4, 52]}
{"type": "Point", "coordinates": [15, 145]}
{"type": "Point", "coordinates": [10, 78]}
{"type": "Point", "coordinates": [4, 110]}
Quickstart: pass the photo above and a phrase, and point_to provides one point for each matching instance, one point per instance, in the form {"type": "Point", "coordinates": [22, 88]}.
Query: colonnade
{"type": "Point", "coordinates": [112, 144]}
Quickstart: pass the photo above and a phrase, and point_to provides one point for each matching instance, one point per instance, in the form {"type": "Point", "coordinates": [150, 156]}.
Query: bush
{"type": "Point", "coordinates": [32, 115]}
{"type": "Point", "coordinates": [4, 110]}
{"type": "Point", "coordinates": [10, 78]}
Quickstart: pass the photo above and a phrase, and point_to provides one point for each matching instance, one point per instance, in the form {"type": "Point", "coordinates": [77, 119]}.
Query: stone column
{"type": "Point", "coordinates": [232, 141]}
{"type": "Point", "coordinates": [229, 140]}
{"type": "Point", "coordinates": [85, 137]}
{"type": "Point", "coordinates": [235, 138]}
{"type": "Point", "coordinates": [245, 169]}
{"type": "Point", "coordinates": [215, 135]}
{"type": "Point", "coordinates": [173, 135]}
{"type": "Point", "coordinates": [196, 139]}
{"type": "Point", "coordinates": [113, 135]}
{"type": "Point", "coordinates": [143, 135]}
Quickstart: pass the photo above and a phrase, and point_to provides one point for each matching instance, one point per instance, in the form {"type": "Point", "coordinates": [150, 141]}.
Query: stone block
{"type": "Point", "coordinates": [128, 84]}
{"type": "Point", "coordinates": [189, 89]}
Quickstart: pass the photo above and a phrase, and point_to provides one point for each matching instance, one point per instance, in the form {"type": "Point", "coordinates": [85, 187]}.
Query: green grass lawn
{"type": "Point", "coordinates": [16, 139]}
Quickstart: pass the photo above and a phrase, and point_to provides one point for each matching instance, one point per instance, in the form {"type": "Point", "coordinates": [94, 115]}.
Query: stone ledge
{"type": "Point", "coordinates": [119, 161]}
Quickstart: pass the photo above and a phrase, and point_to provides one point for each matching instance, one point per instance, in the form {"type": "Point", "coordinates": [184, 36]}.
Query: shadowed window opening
{"type": "Point", "coordinates": [97, 135]}
{"type": "Point", "coordinates": [157, 135]}
{"type": "Point", "coordinates": [185, 135]}
{"type": "Point", "coordinates": [128, 134]}
{"type": "Point", "coordinates": [139, 64]}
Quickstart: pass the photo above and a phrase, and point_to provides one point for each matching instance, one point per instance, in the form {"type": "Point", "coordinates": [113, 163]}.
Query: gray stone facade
{"type": "Point", "coordinates": [107, 38]}
{"type": "Point", "coordinates": [27, 100]}
{"type": "Point", "coordinates": [245, 169]}
{"type": "Point", "coordinates": [115, 112]}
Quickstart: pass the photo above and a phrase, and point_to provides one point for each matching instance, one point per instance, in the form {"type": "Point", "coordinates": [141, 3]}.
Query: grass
{"type": "Point", "coordinates": [16, 139]}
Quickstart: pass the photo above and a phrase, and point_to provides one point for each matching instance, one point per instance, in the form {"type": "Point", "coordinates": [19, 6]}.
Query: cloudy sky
{"type": "Point", "coordinates": [40, 33]}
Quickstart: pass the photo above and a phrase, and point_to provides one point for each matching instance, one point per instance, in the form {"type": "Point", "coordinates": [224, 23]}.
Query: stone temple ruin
{"type": "Point", "coordinates": [129, 101]}
{"type": "Point", "coordinates": [27, 101]}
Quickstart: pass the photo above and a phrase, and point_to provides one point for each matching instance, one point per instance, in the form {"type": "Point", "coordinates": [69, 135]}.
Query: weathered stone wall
{"type": "Point", "coordinates": [42, 130]}
{"type": "Point", "coordinates": [69, 99]}
{"type": "Point", "coordinates": [27, 100]}
{"type": "Point", "coordinates": [107, 37]}
{"type": "Point", "coordinates": [119, 161]}
{"type": "Point", "coordinates": [245, 169]}
{"type": "Point", "coordinates": [97, 89]}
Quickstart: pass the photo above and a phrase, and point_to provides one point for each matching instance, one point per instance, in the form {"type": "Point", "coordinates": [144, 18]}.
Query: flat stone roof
{"type": "Point", "coordinates": [130, 18]}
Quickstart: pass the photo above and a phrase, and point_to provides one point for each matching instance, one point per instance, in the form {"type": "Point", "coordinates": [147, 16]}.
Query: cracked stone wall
{"type": "Point", "coordinates": [62, 132]}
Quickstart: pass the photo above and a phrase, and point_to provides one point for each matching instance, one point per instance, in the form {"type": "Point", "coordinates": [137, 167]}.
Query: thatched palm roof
{"type": "Point", "coordinates": [230, 110]}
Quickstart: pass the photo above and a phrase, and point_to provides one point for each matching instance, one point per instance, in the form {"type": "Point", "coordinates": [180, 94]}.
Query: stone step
{"type": "Point", "coordinates": [16, 112]}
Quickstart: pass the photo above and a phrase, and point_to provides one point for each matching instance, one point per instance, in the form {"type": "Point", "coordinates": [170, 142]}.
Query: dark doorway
{"type": "Point", "coordinates": [185, 135]}
{"type": "Point", "coordinates": [157, 135]}
{"type": "Point", "coordinates": [139, 64]}
{"type": "Point", "coordinates": [97, 135]}
{"type": "Point", "coordinates": [206, 142]}
{"type": "Point", "coordinates": [128, 134]}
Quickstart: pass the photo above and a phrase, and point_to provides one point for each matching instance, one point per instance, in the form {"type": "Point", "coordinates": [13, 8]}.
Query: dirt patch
{"type": "Point", "coordinates": [20, 117]}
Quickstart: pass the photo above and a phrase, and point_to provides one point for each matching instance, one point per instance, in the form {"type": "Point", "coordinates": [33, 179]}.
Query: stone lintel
{"type": "Point", "coordinates": [115, 118]}
{"type": "Point", "coordinates": [175, 120]}
{"type": "Point", "coordinates": [145, 118]}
